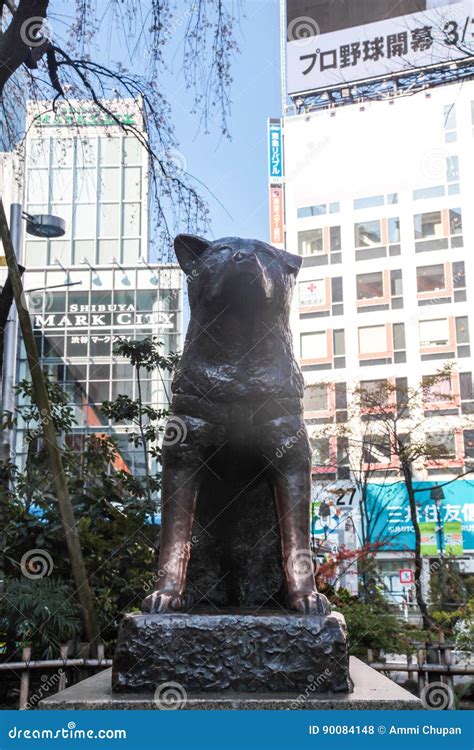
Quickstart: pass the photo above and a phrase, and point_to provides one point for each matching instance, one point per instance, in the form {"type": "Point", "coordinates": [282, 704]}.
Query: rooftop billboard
{"type": "Point", "coordinates": [333, 42]}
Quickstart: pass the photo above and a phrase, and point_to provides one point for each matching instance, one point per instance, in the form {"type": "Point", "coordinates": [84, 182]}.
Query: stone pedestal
{"type": "Point", "coordinates": [267, 652]}
{"type": "Point", "coordinates": [372, 691]}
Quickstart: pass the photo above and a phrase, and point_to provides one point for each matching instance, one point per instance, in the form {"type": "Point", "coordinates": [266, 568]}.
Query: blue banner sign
{"type": "Point", "coordinates": [275, 151]}
{"type": "Point", "coordinates": [236, 730]}
{"type": "Point", "coordinates": [388, 507]}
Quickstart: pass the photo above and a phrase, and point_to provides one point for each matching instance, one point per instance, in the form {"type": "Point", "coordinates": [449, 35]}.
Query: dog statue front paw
{"type": "Point", "coordinates": [311, 604]}
{"type": "Point", "coordinates": [161, 601]}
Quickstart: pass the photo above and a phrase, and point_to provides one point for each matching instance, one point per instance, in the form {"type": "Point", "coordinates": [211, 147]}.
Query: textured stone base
{"type": "Point", "coordinates": [265, 652]}
{"type": "Point", "coordinates": [372, 691]}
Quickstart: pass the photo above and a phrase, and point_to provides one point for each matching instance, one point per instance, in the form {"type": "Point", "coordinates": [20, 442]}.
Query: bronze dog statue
{"type": "Point", "coordinates": [236, 484]}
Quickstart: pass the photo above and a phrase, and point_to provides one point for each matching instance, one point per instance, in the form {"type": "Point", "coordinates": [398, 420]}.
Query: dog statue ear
{"type": "Point", "coordinates": [293, 262]}
{"type": "Point", "coordinates": [188, 249]}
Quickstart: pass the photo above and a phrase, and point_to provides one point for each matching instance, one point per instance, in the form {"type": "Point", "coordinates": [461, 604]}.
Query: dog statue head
{"type": "Point", "coordinates": [236, 272]}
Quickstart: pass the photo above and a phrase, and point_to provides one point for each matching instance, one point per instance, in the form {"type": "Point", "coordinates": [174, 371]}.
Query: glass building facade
{"type": "Point", "coordinates": [94, 286]}
{"type": "Point", "coordinates": [95, 178]}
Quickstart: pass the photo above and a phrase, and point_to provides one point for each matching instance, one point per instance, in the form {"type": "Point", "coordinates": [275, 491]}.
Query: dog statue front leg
{"type": "Point", "coordinates": [179, 493]}
{"type": "Point", "coordinates": [292, 496]}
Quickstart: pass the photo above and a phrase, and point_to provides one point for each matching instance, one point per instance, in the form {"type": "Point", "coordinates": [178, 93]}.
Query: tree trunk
{"type": "Point", "coordinates": [58, 475]}
{"type": "Point", "coordinates": [20, 37]}
{"type": "Point", "coordinates": [406, 468]}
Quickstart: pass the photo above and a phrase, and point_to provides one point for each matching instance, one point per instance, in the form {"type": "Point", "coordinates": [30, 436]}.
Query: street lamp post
{"type": "Point", "coordinates": [52, 227]}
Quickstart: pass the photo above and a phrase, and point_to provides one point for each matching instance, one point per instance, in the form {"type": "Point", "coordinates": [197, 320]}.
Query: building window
{"type": "Point", "coordinates": [310, 242]}
{"type": "Point", "coordinates": [335, 239]}
{"type": "Point", "coordinates": [372, 339]}
{"type": "Point", "coordinates": [336, 289]}
{"type": "Point", "coordinates": [321, 452]}
{"type": "Point", "coordinates": [337, 295]}
{"type": "Point", "coordinates": [376, 450]}
{"type": "Point", "coordinates": [371, 202]}
{"type": "Point", "coordinates": [314, 346]}
{"type": "Point", "coordinates": [455, 221]}
{"type": "Point", "coordinates": [375, 396]}
{"type": "Point", "coordinates": [468, 439]}
{"type": "Point", "coordinates": [432, 192]}
{"type": "Point", "coordinates": [379, 290]}
{"type": "Point", "coordinates": [320, 297]}
{"type": "Point", "coordinates": [442, 446]}
{"type": "Point", "coordinates": [459, 281]}
{"type": "Point", "coordinates": [428, 225]}
{"type": "Point", "coordinates": [341, 397]}
{"type": "Point", "coordinates": [462, 336]}
{"type": "Point", "coordinates": [316, 397]}
{"type": "Point", "coordinates": [368, 234]}
{"type": "Point", "coordinates": [374, 239]}
{"type": "Point", "coordinates": [452, 168]}
{"type": "Point", "coordinates": [467, 392]}
{"type": "Point", "coordinates": [320, 246]}
{"type": "Point", "coordinates": [319, 210]}
{"type": "Point", "coordinates": [370, 285]}
{"type": "Point", "coordinates": [312, 293]}
{"type": "Point", "coordinates": [339, 348]}
{"type": "Point", "coordinates": [396, 288]}
{"type": "Point", "coordinates": [449, 118]}
{"type": "Point", "coordinates": [434, 332]}
{"type": "Point", "coordinates": [382, 344]}
{"type": "Point", "coordinates": [437, 230]}
{"type": "Point", "coordinates": [375, 201]}
{"type": "Point", "coordinates": [449, 335]}
{"type": "Point", "coordinates": [430, 278]}
{"type": "Point", "coordinates": [441, 283]}
{"type": "Point", "coordinates": [437, 390]}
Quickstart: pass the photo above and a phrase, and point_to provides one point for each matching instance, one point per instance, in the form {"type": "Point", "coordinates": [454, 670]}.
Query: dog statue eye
{"type": "Point", "coordinates": [224, 247]}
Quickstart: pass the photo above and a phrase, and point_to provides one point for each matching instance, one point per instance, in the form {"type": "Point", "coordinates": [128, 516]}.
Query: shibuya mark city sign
{"type": "Point", "coordinates": [98, 316]}
{"type": "Point", "coordinates": [331, 43]}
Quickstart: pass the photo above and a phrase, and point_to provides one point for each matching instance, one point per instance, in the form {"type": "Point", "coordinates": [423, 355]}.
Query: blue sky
{"type": "Point", "coordinates": [236, 171]}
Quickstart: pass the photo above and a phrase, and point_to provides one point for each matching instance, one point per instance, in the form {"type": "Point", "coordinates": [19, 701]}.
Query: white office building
{"type": "Point", "coordinates": [378, 201]}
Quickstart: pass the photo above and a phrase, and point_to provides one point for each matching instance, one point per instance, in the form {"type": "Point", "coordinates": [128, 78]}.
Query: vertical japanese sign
{"type": "Point", "coordinates": [452, 533]}
{"type": "Point", "coordinates": [429, 542]}
{"type": "Point", "coordinates": [276, 215]}
{"type": "Point", "coordinates": [333, 42]}
{"type": "Point", "coordinates": [275, 150]}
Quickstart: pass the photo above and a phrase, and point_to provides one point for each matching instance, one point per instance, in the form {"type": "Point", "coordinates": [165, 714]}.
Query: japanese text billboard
{"type": "Point", "coordinates": [390, 511]}
{"type": "Point", "coordinates": [332, 42]}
